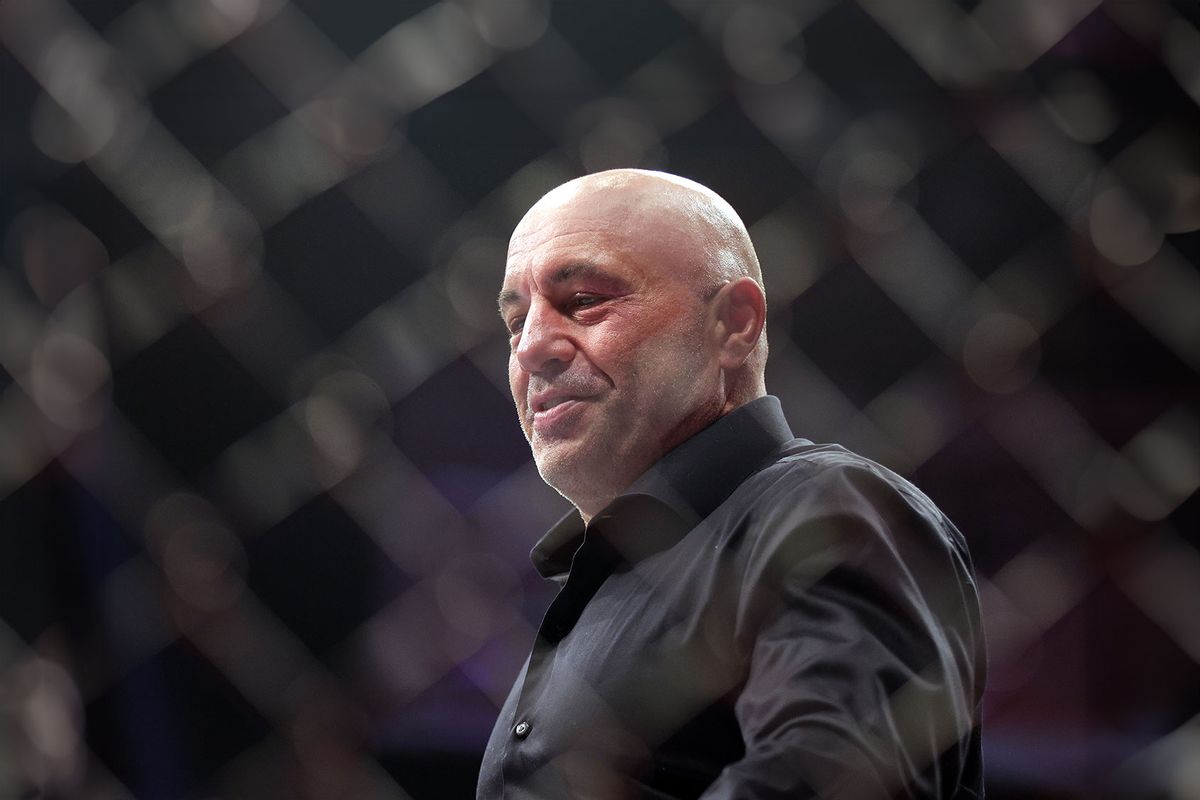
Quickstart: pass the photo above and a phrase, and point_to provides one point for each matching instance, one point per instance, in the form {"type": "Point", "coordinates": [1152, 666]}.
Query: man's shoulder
{"type": "Point", "coordinates": [822, 510]}
{"type": "Point", "coordinates": [806, 483]}
{"type": "Point", "coordinates": [801, 462]}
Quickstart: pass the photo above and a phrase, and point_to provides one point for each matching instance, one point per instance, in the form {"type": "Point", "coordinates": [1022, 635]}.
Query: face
{"type": "Point", "coordinates": [612, 358]}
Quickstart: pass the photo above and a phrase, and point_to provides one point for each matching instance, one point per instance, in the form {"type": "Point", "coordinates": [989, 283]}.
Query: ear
{"type": "Point", "coordinates": [741, 312]}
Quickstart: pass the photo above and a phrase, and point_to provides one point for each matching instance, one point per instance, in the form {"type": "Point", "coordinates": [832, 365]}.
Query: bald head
{"type": "Point", "coordinates": [676, 213]}
{"type": "Point", "coordinates": [636, 312]}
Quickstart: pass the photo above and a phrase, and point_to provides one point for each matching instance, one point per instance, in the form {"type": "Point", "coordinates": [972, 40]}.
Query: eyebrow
{"type": "Point", "coordinates": [583, 269]}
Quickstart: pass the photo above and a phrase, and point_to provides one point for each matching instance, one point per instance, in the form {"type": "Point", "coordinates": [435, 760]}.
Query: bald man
{"type": "Point", "coordinates": [742, 614]}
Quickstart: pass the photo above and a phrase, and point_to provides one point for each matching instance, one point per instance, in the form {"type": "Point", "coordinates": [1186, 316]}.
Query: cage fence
{"type": "Point", "coordinates": [265, 510]}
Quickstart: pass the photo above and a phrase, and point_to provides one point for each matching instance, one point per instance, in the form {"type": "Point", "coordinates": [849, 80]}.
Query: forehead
{"type": "Point", "coordinates": [611, 231]}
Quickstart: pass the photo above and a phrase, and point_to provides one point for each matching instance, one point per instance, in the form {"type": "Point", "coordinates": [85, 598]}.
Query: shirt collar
{"type": "Point", "coordinates": [676, 493]}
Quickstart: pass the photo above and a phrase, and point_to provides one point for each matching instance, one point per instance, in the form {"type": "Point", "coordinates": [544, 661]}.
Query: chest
{"type": "Point", "coordinates": [638, 689]}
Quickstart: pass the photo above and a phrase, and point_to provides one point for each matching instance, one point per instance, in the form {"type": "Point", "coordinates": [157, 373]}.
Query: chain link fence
{"type": "Point", "coordinates": [264, 505]}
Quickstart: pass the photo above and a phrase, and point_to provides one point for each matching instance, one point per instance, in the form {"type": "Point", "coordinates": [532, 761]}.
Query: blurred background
{"type": "Point", "coordinates": [265, 510]}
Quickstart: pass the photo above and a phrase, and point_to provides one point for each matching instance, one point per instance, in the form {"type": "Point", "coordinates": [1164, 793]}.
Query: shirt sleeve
{"type": "Point", "coordinates": [861, 618]}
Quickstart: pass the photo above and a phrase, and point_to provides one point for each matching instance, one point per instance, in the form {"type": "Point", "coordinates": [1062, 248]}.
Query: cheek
{"type": "Point", "coordinates": [653, 344]}
{"type": "Point", "coordinates": [623, 340]}
{"type": "Point", "coordinates": [517, 380]}
{"type": "Point", "coordinates": [606, 349]}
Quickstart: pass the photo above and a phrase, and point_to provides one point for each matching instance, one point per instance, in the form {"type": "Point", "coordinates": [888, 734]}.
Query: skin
{"type": "Point", "coordinates": [635, 310]}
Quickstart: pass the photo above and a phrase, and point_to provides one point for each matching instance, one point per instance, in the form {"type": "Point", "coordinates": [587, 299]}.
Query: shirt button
{"type": "Point", "coordinates": [521, 730]}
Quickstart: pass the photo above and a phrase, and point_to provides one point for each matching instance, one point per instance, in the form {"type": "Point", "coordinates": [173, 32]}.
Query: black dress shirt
{"type": "Point", "coordinates": [757, 616]}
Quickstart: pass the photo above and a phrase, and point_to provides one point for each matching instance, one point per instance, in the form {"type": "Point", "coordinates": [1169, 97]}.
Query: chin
{"type": "Point", "coordinates": [556, 468]}
{"type": "Point", "coordinates": [566, 471]}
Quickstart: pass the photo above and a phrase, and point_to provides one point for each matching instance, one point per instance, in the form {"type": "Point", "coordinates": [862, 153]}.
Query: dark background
{"type": "Point", "coordinates": [264, 505]}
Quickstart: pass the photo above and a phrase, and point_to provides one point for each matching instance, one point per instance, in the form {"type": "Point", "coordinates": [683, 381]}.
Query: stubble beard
{"type": "Point", "coordinates": [618, 447]}
{"type": "Point", "coordinates": [584, 471]}
{"type": "Point", "coordinates": [594, 469]}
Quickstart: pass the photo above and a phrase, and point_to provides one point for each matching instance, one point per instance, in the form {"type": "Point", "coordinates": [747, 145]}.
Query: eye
{"type": "Point", "coordinates": [584, 300]}
{"type": "Point", "coordinates": [515, 324]}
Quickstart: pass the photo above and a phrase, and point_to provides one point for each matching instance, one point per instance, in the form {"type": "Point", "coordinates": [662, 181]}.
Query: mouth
{"type": "Point", "coordinates": [546, 405]}
{"type": "Point", "coordinates": [554, 416]}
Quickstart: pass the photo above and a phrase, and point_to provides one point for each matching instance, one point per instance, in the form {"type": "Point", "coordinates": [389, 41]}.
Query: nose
{"type": "Point", "coordinates": [544, 339]}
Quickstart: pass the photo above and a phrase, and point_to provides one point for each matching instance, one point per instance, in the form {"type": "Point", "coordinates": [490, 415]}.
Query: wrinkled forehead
{"type": "Point", "coordinates": [629, 224]}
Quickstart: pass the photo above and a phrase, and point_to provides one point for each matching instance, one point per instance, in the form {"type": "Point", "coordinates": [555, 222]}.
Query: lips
{"type": "Point", "coordinates": [554, 414]}
{"type": "Point", "coordinates": [555, 410]}
{"type": "Point", "coordinates": [546, 405]}
{"type": "Point", "coordinates": [549, 399]}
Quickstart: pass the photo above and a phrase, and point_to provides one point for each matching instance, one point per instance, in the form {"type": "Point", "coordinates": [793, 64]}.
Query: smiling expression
{"type": "Point", "coordinates": [612, 359]}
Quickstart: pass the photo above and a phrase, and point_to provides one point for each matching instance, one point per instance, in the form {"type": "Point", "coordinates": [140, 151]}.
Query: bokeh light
{"type": "Point", "coordinates": [265, 510]}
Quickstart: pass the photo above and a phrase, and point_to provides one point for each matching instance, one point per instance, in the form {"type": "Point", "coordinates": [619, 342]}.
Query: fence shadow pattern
{"type": "Point", "coordinates": [264, 506]}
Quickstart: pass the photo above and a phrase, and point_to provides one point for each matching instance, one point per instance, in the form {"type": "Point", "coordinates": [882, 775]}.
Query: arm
{"type": "Point", "coordinates": [866, 658]}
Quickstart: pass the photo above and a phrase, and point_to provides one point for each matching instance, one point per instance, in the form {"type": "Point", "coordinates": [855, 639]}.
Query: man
{"type": "Point", "coordinates": [743, 614]}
